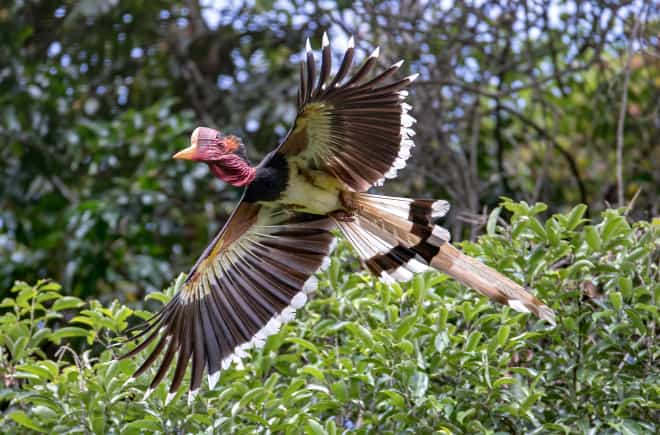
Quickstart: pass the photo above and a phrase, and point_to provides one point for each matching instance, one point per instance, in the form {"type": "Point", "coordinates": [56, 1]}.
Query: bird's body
{"type": "Point", "coordinates": [350, 133]}
{"type": "Point", "coordinates": [306, 190]}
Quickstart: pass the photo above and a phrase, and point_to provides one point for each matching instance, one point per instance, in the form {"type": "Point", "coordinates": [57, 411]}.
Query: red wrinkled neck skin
{"type": "Point", "coordinates": [233, 169]}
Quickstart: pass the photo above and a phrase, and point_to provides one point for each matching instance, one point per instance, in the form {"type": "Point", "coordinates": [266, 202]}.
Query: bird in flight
{"type": "Point", "coordinates": [351, 132]}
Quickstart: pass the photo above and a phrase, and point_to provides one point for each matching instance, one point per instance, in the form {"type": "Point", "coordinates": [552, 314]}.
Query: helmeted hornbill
{"type": "Point", "coordinates": [350, 133]}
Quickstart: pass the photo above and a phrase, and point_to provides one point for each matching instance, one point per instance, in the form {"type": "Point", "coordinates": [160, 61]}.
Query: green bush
{"type": "Point", "coordinates": [362, 356]}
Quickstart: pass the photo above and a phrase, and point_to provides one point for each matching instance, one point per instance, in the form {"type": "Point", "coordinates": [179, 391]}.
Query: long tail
{"type": "Point", "coordinates": [396, 237]}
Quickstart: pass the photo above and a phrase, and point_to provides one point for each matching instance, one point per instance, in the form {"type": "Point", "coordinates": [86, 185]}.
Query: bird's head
{"type": "Point", "coordinates": [224, 154]}
{"type": "Point", "coordinates": [209, 145]}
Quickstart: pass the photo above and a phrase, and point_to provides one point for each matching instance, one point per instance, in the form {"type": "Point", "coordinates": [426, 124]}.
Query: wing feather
{"type": "Point", "coordinates": [358, 131]}
{"type": "Point", "coordinates": [245, 284]}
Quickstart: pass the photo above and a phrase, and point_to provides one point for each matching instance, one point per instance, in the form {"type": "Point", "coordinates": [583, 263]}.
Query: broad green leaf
{"type": "Point", "coordinates": [492, 221]}
{"type": "Point", "coordinates": [66, 303]}
{"type": "Point", "coordinates": [21, 418]}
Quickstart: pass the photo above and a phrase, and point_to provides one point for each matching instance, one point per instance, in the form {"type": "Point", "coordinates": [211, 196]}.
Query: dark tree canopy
{"type": "Point", "coordinates": [515, 99]}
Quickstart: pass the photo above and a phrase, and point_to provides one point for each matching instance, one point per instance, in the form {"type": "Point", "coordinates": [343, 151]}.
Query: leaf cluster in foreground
{"type": "Point", "coordinates": [362, 356]}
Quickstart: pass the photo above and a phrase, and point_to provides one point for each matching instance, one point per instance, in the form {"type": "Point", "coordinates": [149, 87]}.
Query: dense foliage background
{"type": "Point", "coordinates": [550, 101]}
{"type": "Point", "coordinates": [420, 357]}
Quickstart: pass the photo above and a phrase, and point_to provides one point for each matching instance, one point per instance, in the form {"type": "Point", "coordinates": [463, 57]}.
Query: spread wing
{"type": "Point", "coordinates": [358, 129]}
{"type": "Point", "coordinates": [249, 280]}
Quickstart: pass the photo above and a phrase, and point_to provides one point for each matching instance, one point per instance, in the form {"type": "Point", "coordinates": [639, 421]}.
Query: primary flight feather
{"type": "Point", "coordinates": [351, 133]}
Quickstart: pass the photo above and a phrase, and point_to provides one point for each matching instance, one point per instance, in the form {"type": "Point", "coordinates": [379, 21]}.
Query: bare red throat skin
{"type": "Point", "coordinates": [233, 169]}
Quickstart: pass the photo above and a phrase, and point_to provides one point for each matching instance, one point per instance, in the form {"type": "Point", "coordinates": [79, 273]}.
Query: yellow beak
{"type": "Point", "coordinates": [186, 154]}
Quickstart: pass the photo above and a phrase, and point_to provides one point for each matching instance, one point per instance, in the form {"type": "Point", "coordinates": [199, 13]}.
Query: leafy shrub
{"type": "Point", "coordinates": [362, 356]}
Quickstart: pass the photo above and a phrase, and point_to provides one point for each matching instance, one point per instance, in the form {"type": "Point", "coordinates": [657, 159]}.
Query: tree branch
{"type": "Point", "coordinates": [564, 153]}
{"type": "Point", "coordinates": [622, 115]}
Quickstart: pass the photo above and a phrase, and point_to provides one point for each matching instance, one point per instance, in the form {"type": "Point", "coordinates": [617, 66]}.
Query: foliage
{"type": "Point", "coordinates": [362, 356]}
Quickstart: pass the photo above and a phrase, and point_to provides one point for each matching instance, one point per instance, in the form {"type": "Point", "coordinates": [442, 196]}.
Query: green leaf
{"type": "Point", "coordinates": [339, 390]}
{"type": "Point", "coordinates": [313, 371]}
{"type": "Point", "coordinates": [67, 303]}
{"type": "Point", "coordinates": [21, 418]}
{"type": "Point", "coordinates": [536, 227]}
{"type": "Point", "coordinates": [616, 300]}
{"type": "Point", "coordinates": [405, 326]}
{"type": "Point", "coordinates": [441, 341]}
{"type": "Point", "coordinates": [473, 341]}
{"type": "Point", "coordinates": [396, 399]}
{"type": "Point", "coordinates": [492, 221]}
{"type": "Point", "coordinates": [68, 332]}
{"type": "Point", "coordinates": [592, 237]}
{"type": "Point", "coordinates": [303, 343]}
{"type": "Point", "coordinates": [574, 218]}
{"type": "Point", "coordinates": [503, 335]}
{"type": "Point", "coordinates": [313, 427]}
{"type": "Point", "coordinates": [419, 383]}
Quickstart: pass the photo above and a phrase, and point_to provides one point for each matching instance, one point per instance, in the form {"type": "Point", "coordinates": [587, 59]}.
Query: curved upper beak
{"type": "Point", "coordinates": [186, 154]}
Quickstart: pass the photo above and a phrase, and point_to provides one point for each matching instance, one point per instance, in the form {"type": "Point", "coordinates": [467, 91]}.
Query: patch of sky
{"type": "Point", "coordinates": [54, 49]}
{"type": "Point", "coordinates": [242, 76]}
{"type": "Point", "coordinates": [258, 62]}
{"type": "Point", "coordinates": [225, 81]}
{"type": "Point", "coordinates": [136, 52]}
{"type": "Point", "coordinates": [252, 125]}
{"type": "Point", "coordinates": [122, 95]}
{"type": "Point", "coordinates": [446, 5]}
{"type": "Point", "coordinates": [472, 64]}
{"type": "Point", "coordinates": [280, 130]}
{"type": "Point", "coordinates": [65, 60]}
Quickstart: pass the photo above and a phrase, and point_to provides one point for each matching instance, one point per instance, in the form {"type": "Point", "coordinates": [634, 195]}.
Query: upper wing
{"type": "Point", "coordinates": [248, 281]}
{"type": "Point", "coordinates": [358, 130]}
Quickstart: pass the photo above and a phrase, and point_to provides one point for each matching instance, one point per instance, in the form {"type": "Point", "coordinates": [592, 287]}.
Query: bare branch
{"type": "Point", "coordinates": [622, 114]}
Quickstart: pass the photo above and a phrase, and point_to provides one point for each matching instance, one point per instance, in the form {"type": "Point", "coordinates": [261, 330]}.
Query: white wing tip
{"type": "Point", "coordinates": [333, 246]}
{"type": "Point", "coordinates": [413, 77]}
{"type": "Point", "coordinates": [398, 64]}
{"type": "Point", "coordinates": [298, 300]}
{"type": "Point", "coordinates": [170, 397]}
{"type": "Point", "coordinates": [325, 42]}
{"type": "Point", "coordinates": [439, 208]}
{"type": "Point", "coordinates": [308, 46]}
{"type": "Point", "coordinates": [375, 53]}
{"type": "Point", "coordinates": [213, 379]}
{"type": "Point", "coordinates": [351, 42]}
{"type": "Point", "coordinates": [191, 396]}
{"type": "Point", "coordinates": [518, 305]}
{"type": "Point", "coordinates": [148, 393]}
{"type": "Point", "coordinates": [310, 285]}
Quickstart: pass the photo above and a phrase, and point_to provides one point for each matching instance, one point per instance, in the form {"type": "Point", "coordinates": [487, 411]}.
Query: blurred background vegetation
{"type": "Point", "coordinates": [527, 100]}
{"type": "Point", "coordinates": [554, 102]}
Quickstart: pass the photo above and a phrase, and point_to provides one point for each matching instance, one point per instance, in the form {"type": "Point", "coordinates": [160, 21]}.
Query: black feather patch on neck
{"type": "Point", "coordinates": [270, 180]}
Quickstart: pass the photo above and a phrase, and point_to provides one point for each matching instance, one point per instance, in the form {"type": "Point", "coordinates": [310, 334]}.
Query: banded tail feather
{"type": "Point", "coordinates": [396, 237]}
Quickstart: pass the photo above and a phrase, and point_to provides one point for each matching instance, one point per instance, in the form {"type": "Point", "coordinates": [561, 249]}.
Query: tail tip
{"type": "Point", "coordinates": [541, 310]}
